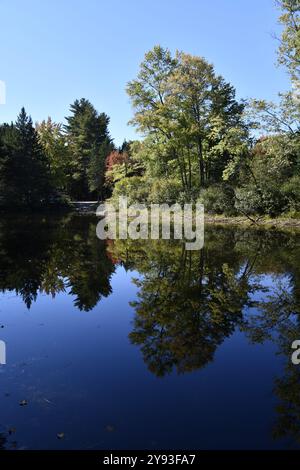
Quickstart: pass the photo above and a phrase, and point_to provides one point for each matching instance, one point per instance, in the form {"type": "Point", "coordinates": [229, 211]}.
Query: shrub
{"type": "Point", "coordinates": [252, 200]}
{"type": "Point", "coordinates": [218, 199]}
{"type": "Point", "coordinates": [291, 191]}
{"type": "Point", "coordinates": [135, 188]}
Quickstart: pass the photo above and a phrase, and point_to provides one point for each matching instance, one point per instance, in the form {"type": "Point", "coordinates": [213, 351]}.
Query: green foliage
{"type": "Point", "coordinates": [253, 201]}
{"type": "Point", "coordinates": [218, 199]}
{"type": "Point", "coordinates": [199, 142]}
{"type": "Point", "coordinates": [273, 161]}
{"type": "Point", "coordinates": [123, 163]}
{"type": "Point", "coordinates": [291, 192]}
{"type": "Point", "coordinates": [134, 188]}
{"type": "Point", "coordinates": [47, 164]}
{"type": "Point", "coordinates": [24, 172]}
{"type": "Point", "coordinates": [96, 168]}
{"type": "Point", "coordinates": [274, 118]}
{"type": "Point", "coordinates": [166, 190]}
{"type": "Point", "coordinates": [289, 49]}
{"type": "Point", "coordinates": [55, 145]}
{"type": "Point", "coordinates": [89, 142]}
{"type": "Point", "coordinates": [192, 121]}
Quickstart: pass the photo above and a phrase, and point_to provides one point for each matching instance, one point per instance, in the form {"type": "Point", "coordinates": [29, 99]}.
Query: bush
{"type": "Point", "coordinates": [252, 201]}
{"type": "Point", "coordinates": [167, 191]}
{"type": "Point", "coordinates": [218, 199]}
{"type": "Point", "coordinates": [291, 191]}
{"type": "Point", "coordinates": [135, 188]}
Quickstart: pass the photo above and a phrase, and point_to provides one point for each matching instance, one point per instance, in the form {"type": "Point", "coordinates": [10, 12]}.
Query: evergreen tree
{"type": "Point", "coordinates": [24, 174]}
{"type": "Point", "coordinates": [8, 146]}
{"type": "Point", "coordinates": [32, 179]}
{"type": "Point", "coordinates": [89, 139]}
{"type": "Point", "coordinates": [96, 169]}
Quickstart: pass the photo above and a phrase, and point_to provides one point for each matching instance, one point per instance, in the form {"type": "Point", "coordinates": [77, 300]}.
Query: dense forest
{"type": "Point", "coordinates": [51, 163]}
{"type": "Point", "coordinates": [199, 142]}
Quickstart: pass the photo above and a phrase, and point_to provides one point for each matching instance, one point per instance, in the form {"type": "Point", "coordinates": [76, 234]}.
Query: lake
{"type": "Point", "coordinates": [134, 344]}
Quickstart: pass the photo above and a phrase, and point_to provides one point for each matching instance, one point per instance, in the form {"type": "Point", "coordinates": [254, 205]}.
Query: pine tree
{"type": "Point", "coordinates": [31, 176]}
{"type": "Point", "coordinates": [88, 138]}
{"type": "Point", "coordinates": [8, 147]}
{"type": "Point", "coordinates": [24, 175]}
{"type": "Point", "coordinates": [96, 169]}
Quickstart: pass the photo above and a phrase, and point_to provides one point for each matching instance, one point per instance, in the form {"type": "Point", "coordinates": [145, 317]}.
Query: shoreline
{"type": "Point", "coordinates": [89, 209]}
{"type": "Point", "coordinates": [263, 222]}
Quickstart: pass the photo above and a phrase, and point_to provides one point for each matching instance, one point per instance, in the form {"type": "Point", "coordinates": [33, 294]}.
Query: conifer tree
{"type": "Point", "coordinates": [89, 139]}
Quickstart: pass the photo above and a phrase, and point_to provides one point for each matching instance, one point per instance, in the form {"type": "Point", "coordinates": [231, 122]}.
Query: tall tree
{"type": "Point", "coordinates": [89, 140]}
{"type": "Point", "coordinates": [25, 179]}
{"type": "Point", "coordinates": [8, 148]}
{"type": "Point", "coordinates": [192, 121]}
{"type": "Point", "coordinates": [289, 49]}
{"type": "Point", "coordinates": [55, 145]}
{"type": "Point", "coordinates": [31, 170]}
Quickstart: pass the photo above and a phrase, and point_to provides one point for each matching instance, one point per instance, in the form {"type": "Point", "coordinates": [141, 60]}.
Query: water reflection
{"type": "Point", "coordinates": [54, 255]}
{"type": "Point", "coordinates": [187, 303]}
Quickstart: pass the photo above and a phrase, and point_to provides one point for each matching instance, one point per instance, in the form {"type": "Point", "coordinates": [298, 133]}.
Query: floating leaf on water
{"type": "Point", "coordinates": [23, 402]}
{"type": "Point", "coordinates": [60, 435]}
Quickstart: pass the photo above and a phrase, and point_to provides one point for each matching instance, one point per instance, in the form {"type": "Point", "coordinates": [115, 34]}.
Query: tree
{"type": "Point", "coordinates": [96, 169]}
{"type": "Point", "coordinates": [192, 122]}
{"type": "Point", "coordinates": [209, 119]}
{"type": "Point", "coordinates": [289, 49]}
{"type": "Point", "coordinates": [89, 141]}
{"type": "Point", "coordinates": [121, 163]}
{"type": "Point", "coordinates": [32, 174]}
{"type": "Point", "coordinates": [25, 178]}
{"type": "Point", "coordinates": [55, 145]}
{"type": "Point", "coordinates": [8, 148]}
{"type": "Point", "coordinates": [275, 155]}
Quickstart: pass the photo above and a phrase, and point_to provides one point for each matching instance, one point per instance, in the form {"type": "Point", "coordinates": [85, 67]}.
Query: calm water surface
{"type": "Point", "coordinates": [137, 344]}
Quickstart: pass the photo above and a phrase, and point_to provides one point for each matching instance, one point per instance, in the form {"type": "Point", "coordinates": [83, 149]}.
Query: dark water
{"type": "Point", "coordinates": [135, 344]}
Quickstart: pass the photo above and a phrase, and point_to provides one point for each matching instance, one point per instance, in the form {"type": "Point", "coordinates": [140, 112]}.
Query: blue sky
{"type": "Point", "coordinates": [54, 51]}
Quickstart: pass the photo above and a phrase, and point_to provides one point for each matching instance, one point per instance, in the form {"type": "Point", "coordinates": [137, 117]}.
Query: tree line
{"type": "Point", "coordinates": [51, 163]}
{"type": "Point", "coordinates": [199, 142]}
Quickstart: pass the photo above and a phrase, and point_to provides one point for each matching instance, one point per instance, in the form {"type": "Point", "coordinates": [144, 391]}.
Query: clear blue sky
{"type": "Point", "coordinates": [54, 51]}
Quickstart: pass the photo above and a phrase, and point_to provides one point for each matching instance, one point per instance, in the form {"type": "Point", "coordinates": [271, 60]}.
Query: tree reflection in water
{"type": "Point", "coordinates": [53, 255]}
{"type": "Point", "coordinates": [187, 304]}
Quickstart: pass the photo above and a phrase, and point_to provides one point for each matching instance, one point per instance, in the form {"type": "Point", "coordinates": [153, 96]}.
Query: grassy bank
{"type": "Point", "coordinates": [267, 222]}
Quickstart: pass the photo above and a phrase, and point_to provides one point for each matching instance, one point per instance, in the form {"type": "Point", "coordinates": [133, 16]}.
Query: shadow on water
{"type": "Point", "coordinates": [188, 302]}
